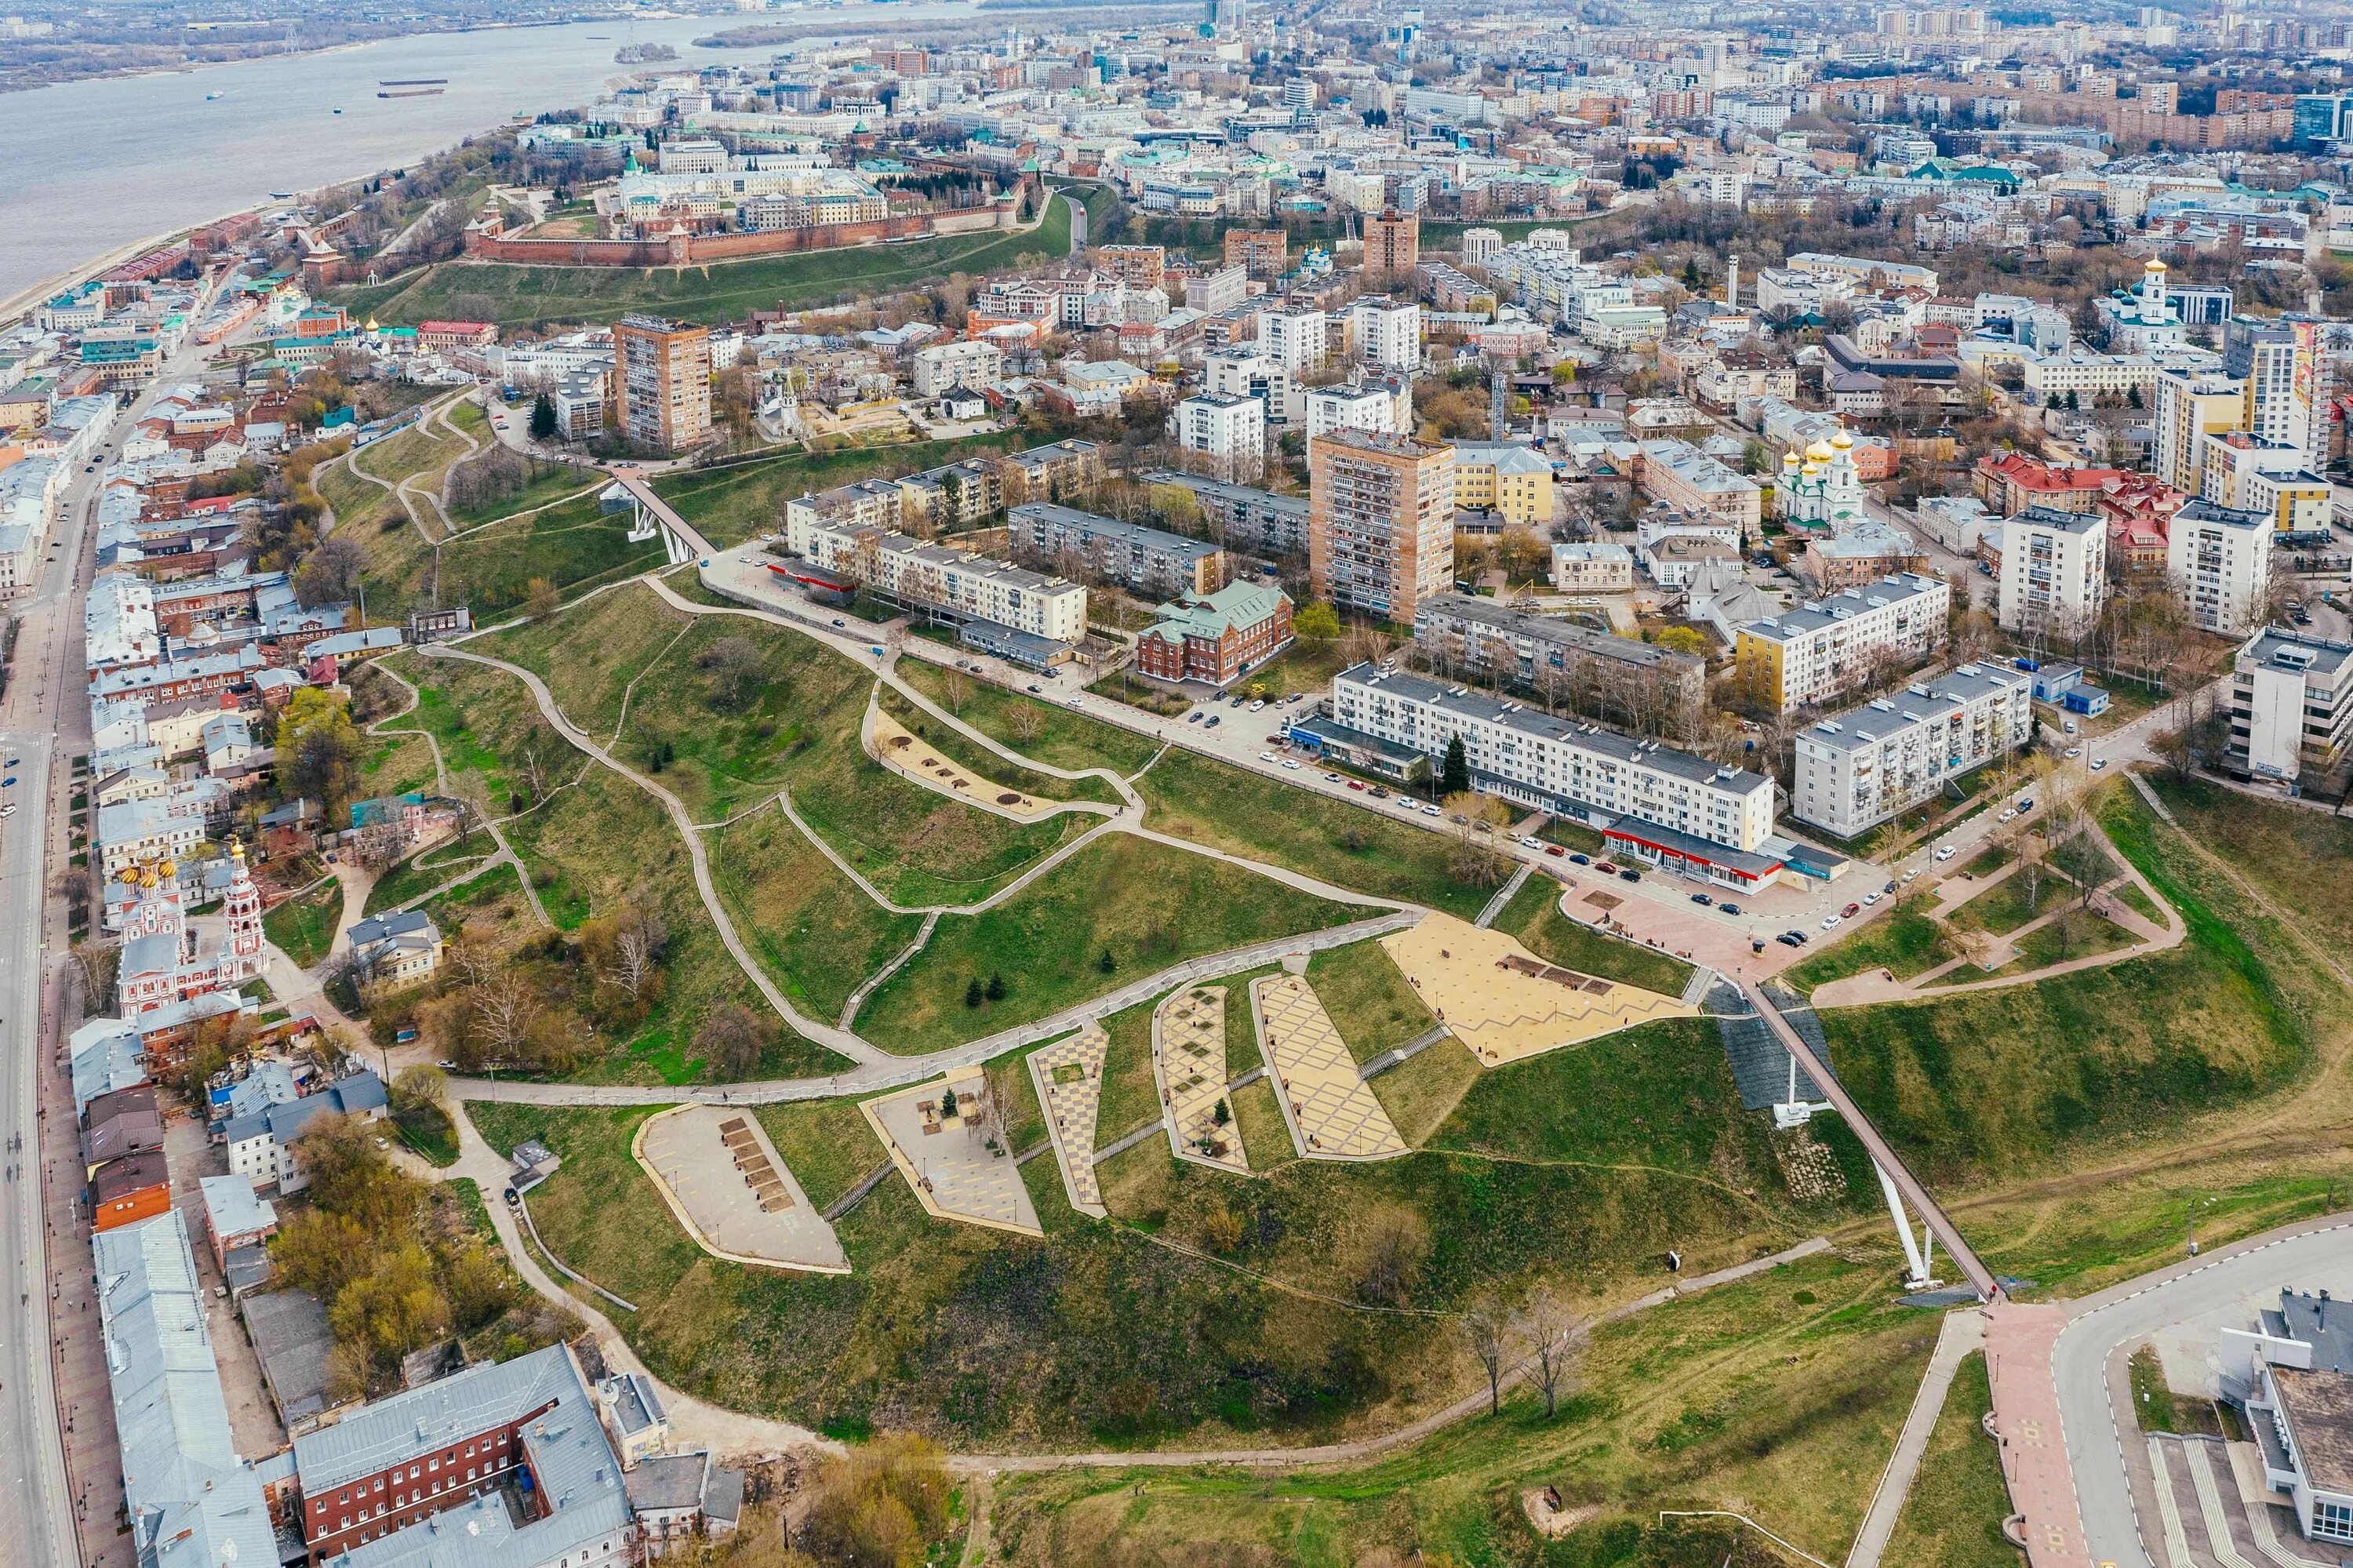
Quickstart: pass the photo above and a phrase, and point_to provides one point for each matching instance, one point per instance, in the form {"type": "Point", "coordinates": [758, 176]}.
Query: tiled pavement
{"type": "Point", "coordinates": [1332, 1113]}
{"type": "Point", "coordinates": [1189, 1057]}
{"type": "Point", "coordinates": [898, 748]}
{"type": "Point", "coordinates": [2018, 1341]}
{"type": "Point", "coordinates": [947, 1160]}
{"type": "Point", "coordinates": [716, 1167]}
{"type": "Point", "coordinates": [1506, 1005]}
{"type": "Point", "coordinates": [1068, 1075]}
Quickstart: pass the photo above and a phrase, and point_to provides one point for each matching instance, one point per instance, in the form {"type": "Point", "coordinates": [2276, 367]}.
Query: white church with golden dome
{"type": "Point", "coordinates": [1821, 492]}
{"type": "Point", "coordinates": [2145, 319]}
{"type": "Point", "coordinates": [169, 956]}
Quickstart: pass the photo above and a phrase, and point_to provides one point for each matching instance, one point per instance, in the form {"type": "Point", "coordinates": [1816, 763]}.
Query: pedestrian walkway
{"type": "Point", "coordinates": [2019, 1342]}
{"type": "Point", "coordinates": [1068, 1077]}
{"type": "Point", "coordinates": [1189, 1059]}
{"type": "Point", "coordinates": [1960, 1333]}
{"type": "Point", "coordinates": [1505, 1003]}
{"type": "Point", "coordinates": [1332, 1113]}
{"type": "Point", "coordinates": [944, 1140]}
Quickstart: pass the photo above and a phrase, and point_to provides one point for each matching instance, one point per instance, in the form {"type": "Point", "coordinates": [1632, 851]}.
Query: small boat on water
{"type": "Point", "coordinates": [209, 96]}
{"type": "Point", "coordinates": [409, 92]}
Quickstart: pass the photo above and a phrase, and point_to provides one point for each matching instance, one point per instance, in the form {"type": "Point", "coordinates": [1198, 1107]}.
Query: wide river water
{"type": "Point", "coordinates": [93, 166]}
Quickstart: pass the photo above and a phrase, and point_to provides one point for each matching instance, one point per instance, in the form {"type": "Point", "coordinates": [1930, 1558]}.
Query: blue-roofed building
{"type": "Point", "coordinates": [192, 1501]}
{"type": "Point", "coordinates": [261, 1145]}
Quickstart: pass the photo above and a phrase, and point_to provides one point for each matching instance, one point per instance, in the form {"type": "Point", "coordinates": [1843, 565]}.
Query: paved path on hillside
{"type": "Point", "coordinates": [1962, 1332]}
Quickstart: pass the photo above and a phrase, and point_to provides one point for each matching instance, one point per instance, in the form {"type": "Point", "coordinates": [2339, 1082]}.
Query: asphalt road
{"type": "Point", "coordinates": [44, 722]}
{"type": "Point", "coordinates": [2192, 1303]}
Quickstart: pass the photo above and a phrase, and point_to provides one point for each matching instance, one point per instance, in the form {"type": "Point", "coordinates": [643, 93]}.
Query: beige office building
{"type": "Point", "coordinates": [1380, 522]}
{"type": "Point", "coordinates": [661, 379]}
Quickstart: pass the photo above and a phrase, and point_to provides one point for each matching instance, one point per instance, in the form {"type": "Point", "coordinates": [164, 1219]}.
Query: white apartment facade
{"type": "Point", "coordinates": [2220, 560]}
{"type": "Point", "coordinates": [1296, 339]}
{"type": "Point", "coordinates": [942, 367]}
{"type": "Point", "coordinates": [2290, 706]}
{"type": "Point", "coordinates": [1527, 756]}
{"type": "Point", "coordinates": [936, 576]}
{"type": "Point", "coordinates": [2054, 570]}
{"type": "Point", "coordinates": [1386, 333]}
{"type": "Point", "coordinates": [1860, 767]}
{"type": "Point", "coordinates": [1228, 431]}
{"type": "Point", "coordinates": [1381, 408]}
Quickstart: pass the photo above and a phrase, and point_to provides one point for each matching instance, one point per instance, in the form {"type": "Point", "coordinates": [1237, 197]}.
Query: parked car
{"type": "Point", "coordinates": [1630, 874]}
{"type": "Point", "coordinates": [2025, 804]}
{"type": "Point", "coordinates": [2007, 815]}
{"type": "Point", "coordinates": [1830, 920]}
{"type": "Point", "coordinates": [1579, 859]}
{"type": "Point", "coordinates": [1531, 843]}
{"type": "Point", "coordinates": [1195, 716]}
{"type": "Point", "coordinates": [1431, 811]}
{"type": "Point", "coordinates": [1729, 908]}
{"type": "Point", "coordinates": [1790, 939]}
{"type": "Point", "coordinates": [1215, 720]}
{"type": "Point", "coordinates": [1871, 898]}
{"type": "Point", "coordinates": [1703, 900]}
{"type": "Point", "coordinates": [2098, 763]}
{"type": "Point", "coordinates": [1291, 763]}
{"type": "Point", "coordinates": [1076, 700]}
{"type": "Point", "coordinates": [2072, 753]}
{"type": "Point", "coordinates": [1911, 873]}
{"type": "Point", "coordinates": [9, 810]}
{"type": "Point", "coordinates": [1946, 852]}
{"type": "Point", "coordinates": [1852, 910]}
{"type": "Point", "coordinates": [1557, 850]}
{"type": "Point", "coordinates": [1258, 704]}
{"type": "Point", "coordinates": [1356, 784]}
{"type": "Point", "coordinates": [1604, 868]}
{"type": "Point", "coordinates": [1266, 757]}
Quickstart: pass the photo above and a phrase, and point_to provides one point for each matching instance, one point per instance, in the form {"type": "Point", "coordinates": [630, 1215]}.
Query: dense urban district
{"type": "Point", "coordinates": [1357, 787]}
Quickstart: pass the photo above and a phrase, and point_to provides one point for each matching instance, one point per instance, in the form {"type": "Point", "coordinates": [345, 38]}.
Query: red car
{"type": "Point", "coordinates": [1604, 868]}
{"type": "Point", "coordinates": [1850, 911]}
{"type": "Point", "coordinates": [1355, 783]}
{"type": "Point", "coordinates": [1554, 849]}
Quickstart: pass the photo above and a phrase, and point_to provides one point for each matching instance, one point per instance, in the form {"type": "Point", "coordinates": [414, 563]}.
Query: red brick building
{"type": "Point", "coordinates": [2013, 482]}
{"type": "Point", "coordinates": [126, 1190]}
{"type": "Point", "coordinates": [1215, 637]}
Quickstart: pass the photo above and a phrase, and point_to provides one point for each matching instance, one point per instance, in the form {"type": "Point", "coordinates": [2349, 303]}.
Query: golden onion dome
{"type": "Point", "coordinates": [1789, 458]}
{"type": "Point", "coordinates": [169, 868]}
{"type": "Point", "coordinates": [1811, 470]}
{"type": "Point", "coordinates": [1841, 442]}
{"type": "Point", "coordinates": [147, 880]}
{"type": "Point", "coordinates": [1818, 453]}
{"type": "Point", "coordinates": [2154, 265]}
{"type": "Point", "coordinates": [127, 876]}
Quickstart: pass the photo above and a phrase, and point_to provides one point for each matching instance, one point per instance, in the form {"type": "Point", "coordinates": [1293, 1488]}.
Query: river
{"type": "Point", "coordinates": [94, 166]}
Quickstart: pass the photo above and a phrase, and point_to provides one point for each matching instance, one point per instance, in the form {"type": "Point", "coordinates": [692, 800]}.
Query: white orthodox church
{"type": "Point", "coordinates": [2143, 321]}
{"type": "Point", "coordinates": [168, 956]}
{"type": "Point", "coordinates": [1823, 490]}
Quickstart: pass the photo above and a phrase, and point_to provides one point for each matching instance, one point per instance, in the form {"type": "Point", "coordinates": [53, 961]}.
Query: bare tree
{"type": "Point", "coordinates": [1025, 722]}
{"type": "Point", "coordinates": [1549, 1331]}
{"type": "Point", "coordinates": [636, 948]}
{"type": "Point", "coordinates": [96, 962]}
{"type": "Point", "coordinates": [954, 690]}
{"type": "Point", "coordinates": [504, 1009]}
{"type": "Point", "coordinates": [730, 1038]}
{"type": "Point", "coordinates": [1485, 1332]}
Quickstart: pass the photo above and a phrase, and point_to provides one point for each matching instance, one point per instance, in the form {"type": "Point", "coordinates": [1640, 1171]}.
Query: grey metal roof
{"type": "Point", "coordinates": [193, 1502]}
{"type": "Point", "coordinates": [1477, 707]}
{"type": "Point", "coordinates": [2313, 654]}
{"type": "Point", "coordinates": [668, 1481]}
{"type": "Point", "coordinates": [572, 1465]}
{"type": "Point", "coordinates": [1842, 605]}
{"type": "Point", "coordinates": [1045, 516]}
{"type": "Point", "coordinates": [1938, 697]}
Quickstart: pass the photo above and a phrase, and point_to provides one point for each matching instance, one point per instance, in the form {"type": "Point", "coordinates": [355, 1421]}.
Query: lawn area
{"type": "Point", "coordinates": [2293, 856]}
{"type": "Point", "coordinates": [1998, 1083]}
{"type": "Point", "coordinates": [1534, 917]}
{"type": "Point", "coordinates": [1130, 1096]}
{"type": "Point", "coordinates": [591, 845]}
{"type": "Point", "coordinates": [1064, 740]}
{"type": "Point", "coordinates": [396, 763]}
{"type": "Point", "coordinates": [1953, 1518]}
{"type": "Point", "coordinates": [2018, 897]}
{"type": "Point", "coordinates": [1300, 668]}
{"type": "Point", "coordinates": [1148, 905]}
{"type": "Point", "coordinates": [1420, 1092]}
{"type": "Point", "coordinates": [817, 933]}
{"type": "Point", "coordinates": [1211, 803]}
{"type": "Point", "coordinates": [573, 544]}
{"type": "Point", "coordinates": [426, 870]}
{"type": "Point", "coordinates": [1988, 860]}
{"type": "Point", "coordinates": [713, 291]}
{"type": "Point", "coordinates": [1122, 686]}
{"type": "Point", "coordinates": [730, 502]}
{"type": "Point", "coordinates": [548, 483]}
{"type": "Point", "coordinates": [1905, 941]}
{"type": "Point", "coordinates": [303, 926]}
{"type": "Point", "coordinates": [963, 750]}
{"type": "Point", "coordinates": [826, 1143]}
{"type": "Point", "coordinates": [1732, 1399]}
{"type": "Point", "coordinates": [2077, 934]}
{"type": "Point", "coordinates": [798, 729]}
{"type": "Point", "coordinates": [492, 907]}
{"type": "Point", "coordinates": [428, 1131]}
{"type": "Point", "coordinates": [1367, 997]}
{"type": "Point", "coordinates": [357, 504]}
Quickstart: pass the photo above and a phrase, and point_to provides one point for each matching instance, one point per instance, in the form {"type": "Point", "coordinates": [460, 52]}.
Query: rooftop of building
{"type": "Point", "coordinates": [1923, 702]}
{"type": "Point", "coordinates": [2287, 649]}
{"type": "Point", "coordinates": [1479, 707]}
{"type": "Point", "coordinates": [1137, 535]}
{"type": "Point", "coordinates": [1502, 618]}
{"type": "Point", "coordinates": [1386, 445]}
{"type": "Point", "coordinates": [1808, 618]}
{"type": "Point", "coordinates": [1233, 608]}
{"type": "Point", "coordinates": [2200, 510]}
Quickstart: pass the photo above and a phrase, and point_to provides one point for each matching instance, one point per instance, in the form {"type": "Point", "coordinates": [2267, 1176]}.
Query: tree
{"type": "Point", "coordinates": [540, 598]}
{"type": "Point", "coordinates": [1454, 776]}
{"type": "Point", "coordinates": [954, 690]}
{"type": "Point", "coordinates": [973, 991]}
{"type": "Point", "coordinates": [1550, 1332]}
{"type": "Point", "coordinates": [882, 1504]}
{"type": "Point", "coordinates": [1106, 963]}
{"type": "Point", "coordinates": [330, 574]}
{"type": "Point", "coordinates": [416, 1087]}
{"type": "Point", "coordinates": [1024, 722]}
{"type": "Point", "coordinates": [1683, 639]}
{"type": "Point", "coordinates": [542, 417]}
{"type": "Point", "coordinates": [996, 990]}
{"type": "Point", "coordinates": [1397, 1241]}
{"type": "Point", "coordinates": [731, 668]}
{"type": "Point", "coordinates": [730, 1037]}
{"type": "Point", "coordinates": [1316, 622]}
{"type": "Point", "coordinates": [1485, 1331]}
{"type": "Point", "coordinates": [319, 752]}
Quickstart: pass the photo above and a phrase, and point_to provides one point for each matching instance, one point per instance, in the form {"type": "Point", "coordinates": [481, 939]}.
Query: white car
{"type": "Point", "coordinates": [1946, 854]}
{"type": "Point", "coordinates": [1076, 700]}
{"type": "Point", "coordinates": [1331, 778]}
{"type": "Point", "coordinates": [9, 810]}
{"type": "Point", "coordinates": [1911, 873]}
{"type": "Point", "coordinates": [1266, 757]}
{"type": "Point", "coordinates": [1532, 843]}
{"type": "Point", "coordinates": [1829, 921]}
{"type": "Point", "coordinates": [2072, 753]}
{"type": "Point", "coordinates": [2006, 816]}
{"type": "Point", "coordinates": [1289, 763]}
{"type": "Point", "coordinates": [1871, 898]}
{"type": "Point", "coordinates": [2098, 763]}
{"type": "Point", "coordinates": [1256, 703]}
{"type": "Point", "coordinates": [1431, 811]}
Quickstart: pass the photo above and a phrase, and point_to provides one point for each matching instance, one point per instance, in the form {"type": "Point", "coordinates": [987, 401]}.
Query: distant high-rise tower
{"type": "Point", "coordinates": [1499, 403]}
{"type": "Point", "coordinates": [1732, 284]}
{"type": "Point", "coordinates": [661, 374]}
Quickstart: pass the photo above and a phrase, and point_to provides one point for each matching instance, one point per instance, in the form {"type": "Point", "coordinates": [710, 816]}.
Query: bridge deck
{"type": "Point", "coordinates": [678, 527]}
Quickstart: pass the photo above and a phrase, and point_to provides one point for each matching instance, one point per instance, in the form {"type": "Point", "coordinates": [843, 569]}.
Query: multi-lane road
{"type": "Point", "coordinates": [44, 724]}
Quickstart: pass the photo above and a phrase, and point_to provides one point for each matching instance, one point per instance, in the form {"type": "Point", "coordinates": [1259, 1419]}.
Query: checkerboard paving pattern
{"type": "Point", "coordinates": [1332, 1113]}
{"type": "Point", "coordinates": [947, 1159]}
{"type": "Point", "coordinates": [1189, 1054]}
{"type": "Point", "coordinates": [1068, 1077]}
